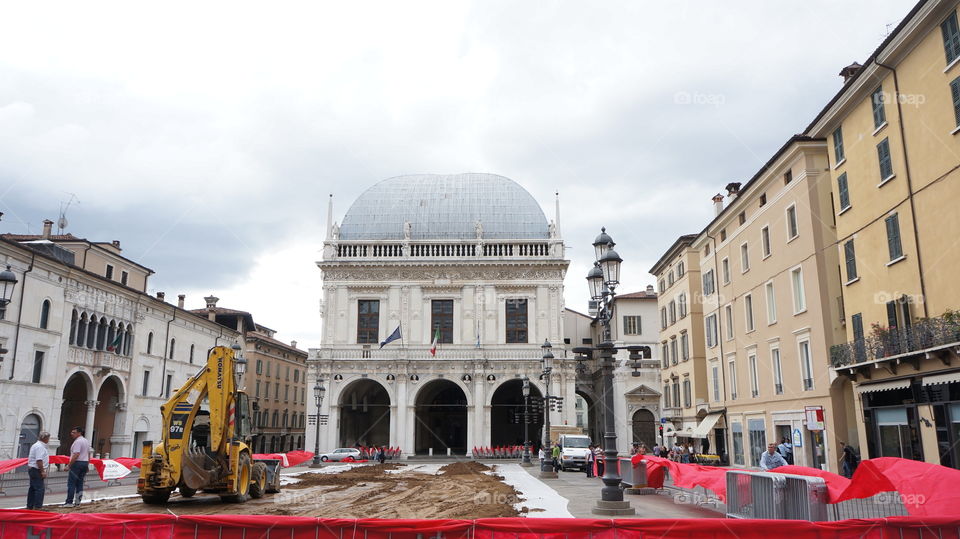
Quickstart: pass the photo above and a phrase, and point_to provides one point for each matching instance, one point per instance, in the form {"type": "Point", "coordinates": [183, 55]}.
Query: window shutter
{"type": "Point", "coordinates": [892, 314]}
{"type": "Point", "coordinates": [883, 153]}
{"type": "Point", "coordinates": [878, 113]}
{"type": "Point", "coordinates": [850, 256]}
{"type": "Point", "coordinates": [955, 92]}
{"type": "Point", "coordinates": [951, 37]}
{"type": "Point", "coordinates": [893, 237]}
{"type": "Point", "coordinates": [843, 190]}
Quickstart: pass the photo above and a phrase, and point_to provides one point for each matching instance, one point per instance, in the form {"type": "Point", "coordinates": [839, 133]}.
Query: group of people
{"type": "Point", "coordinates": [38, 464]}
{"type": "Point", "coordinates": [680, 452]}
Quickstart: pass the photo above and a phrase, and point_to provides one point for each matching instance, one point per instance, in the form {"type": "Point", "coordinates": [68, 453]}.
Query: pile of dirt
{"type": "Point", "coordinates": [469, 467]}
{"type": "Point", "coordinates": [460, 490]}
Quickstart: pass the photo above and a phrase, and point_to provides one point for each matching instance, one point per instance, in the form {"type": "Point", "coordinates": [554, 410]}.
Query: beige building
{"type": "Point", "coordinates": [894, 168]}
{"type": "Point", "coordinates": [771, 310]}
{"type": "Point", "coordinates": [276, 380]}
{"type": "Point", "coordinates": [691, 415]}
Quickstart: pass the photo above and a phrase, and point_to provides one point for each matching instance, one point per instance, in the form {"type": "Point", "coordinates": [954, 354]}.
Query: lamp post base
{"type": "Point", "coordinates": [526, 464]}
{"type": "Point", "coordinates": [547, 475]}
{"type": "Point", "coordinates": [316, 464]}
{"type": "Point", "coordinates": [613, 509]}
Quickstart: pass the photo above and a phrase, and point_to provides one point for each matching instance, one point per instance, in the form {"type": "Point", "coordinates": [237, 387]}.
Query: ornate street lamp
{"type": "Point", "coordinates": [318, 393]}
{"type": "Point", "coordinates": [546, 468]}
{"type": "Point", "coordinates": [526, 422]}
{"type": "Point", "coordinates": [603, 289]}
{"type": "Point", "coordinates": [8, 281]}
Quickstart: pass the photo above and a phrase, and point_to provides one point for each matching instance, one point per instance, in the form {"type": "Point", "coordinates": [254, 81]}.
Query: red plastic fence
{"type": "Point", "coordinates": [35, 524]}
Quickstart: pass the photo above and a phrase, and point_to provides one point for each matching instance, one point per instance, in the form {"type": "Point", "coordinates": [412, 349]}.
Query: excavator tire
{"type": "Point", "coordinates": [243, 471]}
{"type": "Point", "coordinates": [157, 497]}
{"type": "Point", "coordinates": [258, 480]}
{"type": "Point", "coordinates": [187, 492]}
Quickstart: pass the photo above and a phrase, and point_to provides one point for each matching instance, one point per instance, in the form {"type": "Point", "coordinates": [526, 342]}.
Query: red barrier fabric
{"type": "Point", "coordinates": [19, 524]}
{"type": "Point", "coordinates": [7, 465]}
{"type": "Point", "coordinates": [291, 458]}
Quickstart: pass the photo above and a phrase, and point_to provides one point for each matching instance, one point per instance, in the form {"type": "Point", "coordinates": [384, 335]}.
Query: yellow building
{"type": "Point", "coordinates": [771, 311]}
{"type": "Point", "coordinates": [894, 166]}
{"type": "Point", "coordinates": [686, 402]}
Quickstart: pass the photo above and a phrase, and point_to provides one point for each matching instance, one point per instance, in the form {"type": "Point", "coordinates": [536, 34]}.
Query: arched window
{"type": "Point", "coordinates": [74, 321]}
{"type": "Point", "coordinates": [173, 343]}
{"type": "Point", "coordinates": [276, 416]}
{"type": "Point", "coordinates": [45, 314]}
{"type": "Point", "coordinates": [92, 333]}
{"type": "Point", "coordinates": [150, 343]}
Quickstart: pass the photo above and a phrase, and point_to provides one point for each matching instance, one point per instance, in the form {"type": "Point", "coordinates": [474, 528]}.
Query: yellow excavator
{"type": "Point", "coordinates": [206, 439]}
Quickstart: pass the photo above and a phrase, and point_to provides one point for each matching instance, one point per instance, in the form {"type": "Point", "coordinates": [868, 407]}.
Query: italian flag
{"type": "Point", "coordinates": [436, 338]}
{"type": "Point", "coordinates": [115, 344]}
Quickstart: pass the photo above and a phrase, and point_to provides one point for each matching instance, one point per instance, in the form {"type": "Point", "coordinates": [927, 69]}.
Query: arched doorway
{"type": "Point", "coordinates": [587, 417]}
{"type": "Point", "coordinates": [109, 397]}
{"type": "Point", "coordinates": [29, 429]}
{"type": "Point", "coordinates": [506, 415]}
{"type": "Point", "coordinates": [74, 411]}
{"type": "Point", "coordinates": [364, 414]}
{"type": "Point", "coordinates": [644, 427]}
{"type": "Point", "coordinates": [441, 418]}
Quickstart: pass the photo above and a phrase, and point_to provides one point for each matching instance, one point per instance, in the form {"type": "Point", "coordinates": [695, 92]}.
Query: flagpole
{"type": "Point", "coordinates": [400, 325]}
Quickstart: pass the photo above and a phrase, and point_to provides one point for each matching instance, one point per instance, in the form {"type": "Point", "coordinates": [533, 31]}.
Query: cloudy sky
{"type": "Point", "coordinates": [207, 137]}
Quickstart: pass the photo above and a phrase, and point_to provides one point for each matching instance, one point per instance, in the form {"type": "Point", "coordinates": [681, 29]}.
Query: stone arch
{"type": "Point", "coordinates": [591, 418]}
{"type": "Point", "coordinates": [77, 391]}
{"type": "Point", "coordinates": [507, 421]}
{"type": "Point", "coordinates": [364, 406]}
{"type": "Point", "coordinates": [108, 415]}
{"type": "Point", "coordinates": [440, 417]}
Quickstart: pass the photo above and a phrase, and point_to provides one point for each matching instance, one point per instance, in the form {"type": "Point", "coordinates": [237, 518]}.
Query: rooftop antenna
{"type": "Point", "coordinates": [62, 221]}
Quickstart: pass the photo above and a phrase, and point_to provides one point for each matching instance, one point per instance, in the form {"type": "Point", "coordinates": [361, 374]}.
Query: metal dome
{"type": "Point", "coordinates": [445, 207]}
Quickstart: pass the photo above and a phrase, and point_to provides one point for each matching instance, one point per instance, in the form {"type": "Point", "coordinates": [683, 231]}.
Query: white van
{"type": "Point", "coordinates": [574, 449]}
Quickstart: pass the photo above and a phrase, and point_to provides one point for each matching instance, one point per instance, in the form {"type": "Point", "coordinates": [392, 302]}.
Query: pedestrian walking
{"type": "Point", "coordinates": [656, 450]}
{"type": "Point", "coordinates": [38, 460]}
{"type": "Point", "coordinates": [848, 460]}
{"type": "Point", "coordinates": [556, 456]}
{"type": "Point", "coordinates": [786, 449]}
{"type": "Point", "coordinates": [591, 459]}
{"type": "Point", "coordinates": [541, 455]}
{"type": "Point", "coordinates": [78, 466]}
{"type": "Point", "coordinates": [598, 454]}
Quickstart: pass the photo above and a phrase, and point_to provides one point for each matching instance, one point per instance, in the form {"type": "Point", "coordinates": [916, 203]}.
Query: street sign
{"type": "Point", "coordinates": [797, 438]}
{"type": "Point", "coordinates": [663, 420]}
{"type": "Point", "coordinates": [814, 417]}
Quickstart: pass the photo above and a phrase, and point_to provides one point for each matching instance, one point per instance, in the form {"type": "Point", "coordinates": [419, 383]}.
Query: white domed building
{"type": "Point", "coordinates": [468, 260]}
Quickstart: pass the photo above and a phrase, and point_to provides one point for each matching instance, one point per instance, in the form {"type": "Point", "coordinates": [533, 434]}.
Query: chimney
{"type": "Point", "coordinates": [211, 305]}
{"type": "Point", "coordinates": [733, 189]}
{"type": "Point", "coordinates": [160, 296]}
{"type": "Point", "coordinates": [180, 300]}
{"type": "Point", "coordinates": [717, 204]}
{"type": "Point", "coordinates": [850, 71]}
{"type": "Point", "coordinates": [293, 344]}
{"type": "Point", "coordinates": [116, 243]}
{"type": "Point", "coordinates": [649, 289]}
{"type": "Point", "coordinates": [47, 228]}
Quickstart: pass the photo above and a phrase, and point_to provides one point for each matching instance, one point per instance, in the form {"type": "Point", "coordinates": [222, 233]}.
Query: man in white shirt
{"type": "Point", "coordinates": [771, 458]}
{"type": "Point", "coordinates": [79, 464]}
{"type": "Point", "coordinates": [38, 460]}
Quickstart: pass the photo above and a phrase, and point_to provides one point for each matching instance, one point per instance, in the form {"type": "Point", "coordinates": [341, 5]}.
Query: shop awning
{"type": "Point", "coordinates": [683, 434]}
{"type": "Point", "coordinates": [705, 426]}
{"type": "Point", "coordinates": [883, 386]}
{"type": "Point", "coordinates": [945, 378]}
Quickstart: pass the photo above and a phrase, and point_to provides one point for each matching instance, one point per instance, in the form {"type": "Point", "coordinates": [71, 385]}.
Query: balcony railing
{"type": "Point", "coordinates": [455, 249]}
{"type": "Point", "coordinates": [926, 334]}
{"type": "Point", "coordinates": [443, 352]}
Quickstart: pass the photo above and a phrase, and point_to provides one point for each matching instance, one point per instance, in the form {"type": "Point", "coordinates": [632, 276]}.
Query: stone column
{"type": "Point", "coordinates": [481, 412]}
{"type": "Point", "coordinates": [91, 413]}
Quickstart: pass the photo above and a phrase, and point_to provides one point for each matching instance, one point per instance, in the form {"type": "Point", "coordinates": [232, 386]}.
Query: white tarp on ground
{"type": "Point", "coordinates": [543, 501]}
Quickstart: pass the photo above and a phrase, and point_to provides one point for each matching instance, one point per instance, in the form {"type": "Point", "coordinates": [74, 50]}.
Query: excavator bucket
{"type": "Point", "coordinates": [199, 470]}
